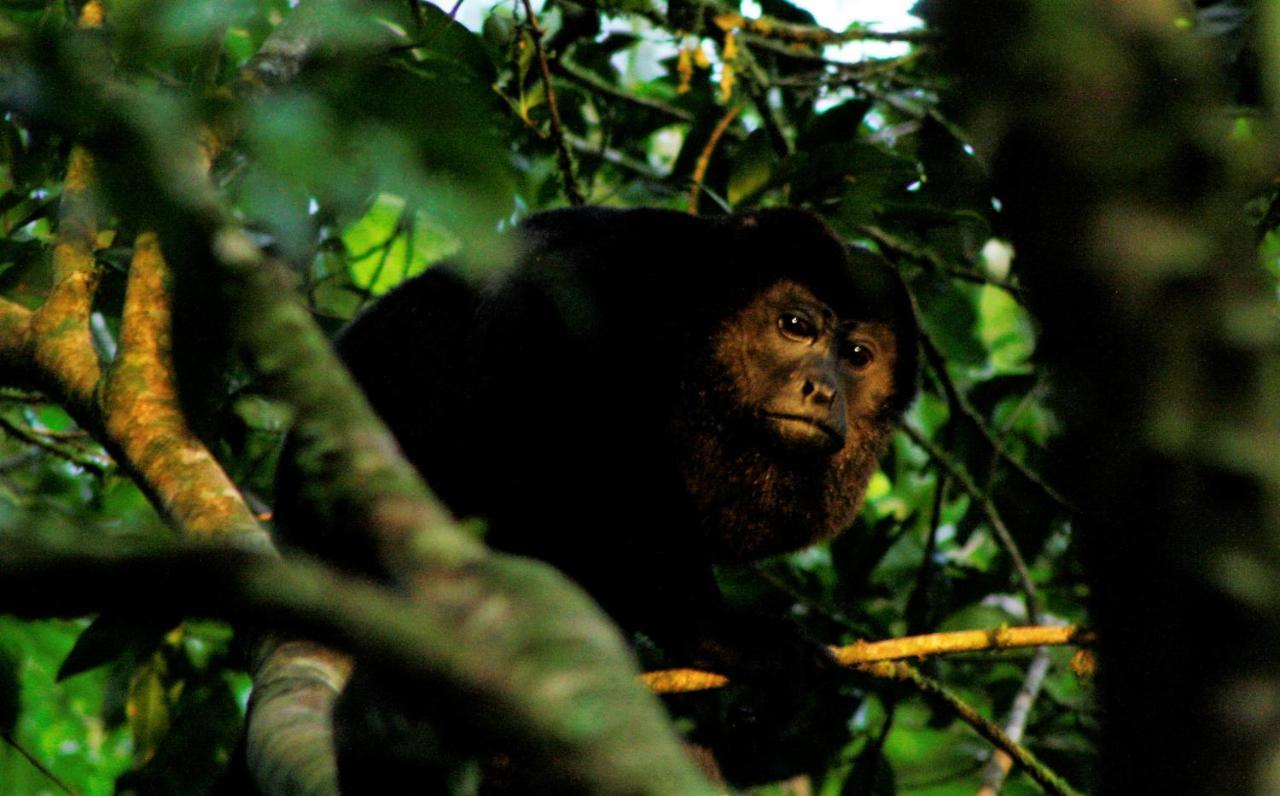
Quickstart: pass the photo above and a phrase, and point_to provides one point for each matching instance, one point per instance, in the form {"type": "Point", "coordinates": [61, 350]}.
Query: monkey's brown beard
{"type": "Point", "coordinates": [752, 499]}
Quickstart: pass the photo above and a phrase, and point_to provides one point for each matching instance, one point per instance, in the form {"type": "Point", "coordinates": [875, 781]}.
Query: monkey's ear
{"type": "Point", "coordinates": [884, 297]}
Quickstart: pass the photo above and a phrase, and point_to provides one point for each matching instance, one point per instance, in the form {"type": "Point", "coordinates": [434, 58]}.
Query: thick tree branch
{"type": "Point", "coordinates": [416, 639]}
{"type": "Point", "coordinates": [15, 342]}
{"type": "Point", "coordinates": [142, 417]}
{"type": "Point", "coordinates": [61, 340]}
{"type": "Point", "coordinates": [289, 735]}
{"type": "Point", "coordinates": [516, 611]}
{"type": "Point", "coordinates": [442, 642]}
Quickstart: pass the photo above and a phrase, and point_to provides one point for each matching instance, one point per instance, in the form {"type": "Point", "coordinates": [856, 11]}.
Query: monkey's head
{"type": "Point", "coordinates": [810, 380]}
{"type": "Point", "coordinates": [803, 384]}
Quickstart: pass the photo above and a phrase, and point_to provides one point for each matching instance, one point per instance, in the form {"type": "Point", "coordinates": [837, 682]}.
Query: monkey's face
{"type": "Point", "coordinates": [810, 381]}
{"type": "Point", "coordinates": [779, 441]}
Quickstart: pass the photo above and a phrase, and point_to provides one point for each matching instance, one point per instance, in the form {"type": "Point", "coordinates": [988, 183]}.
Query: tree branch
{"type": "Point", "coordinates": [770, 28]}
{"type": "Point", "coordinates": [961, 402]}
{"type": "Point", "coordinates": [78, 457]}
{"type": "Point", "coordinates": [597, 86]}
{"type": "Point", "coordinates": [571, 190]}
{"type": "Point", "coordinates": [997, 768]}
{"type": "Point", "coordinates": [679, 681]}
{"type": "Point", "coordinates": [61, 340]}
{"type": "Point", "coordinates": [1042, 774]}
{"type": "Point", "coordinates": [142, 417]}
{"type": "Point", "coordinates": [431, 643]}
{"type": "Point", "coordinates": [704, 157]}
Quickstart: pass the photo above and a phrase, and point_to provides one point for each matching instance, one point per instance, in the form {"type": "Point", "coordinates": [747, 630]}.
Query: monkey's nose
{"type": "Point", "coordinates": [819, 392]}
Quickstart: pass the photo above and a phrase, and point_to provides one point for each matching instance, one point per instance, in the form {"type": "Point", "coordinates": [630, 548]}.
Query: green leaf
{"type": "Point", "coordinates": [389, 244]}
{"type": "Point", "coordinates": [445, 39]}
{"type": "Point", "coordinates": [950, 318]}
{"type": "Point", "coordinates": [752, 167]}
{"type": "Point", "coordinates": [10, 692]}
{"type": "Point", "coordinates": [148, 706]}
{"type": "Point", "coordinates": [110, 637]}
{"type": "Point", "coordinates": [1006, 329]}
{"type": "Point", "coordinates": [838, 125]}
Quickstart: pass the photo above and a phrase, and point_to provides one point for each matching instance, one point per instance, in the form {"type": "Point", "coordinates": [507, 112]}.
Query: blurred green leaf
{"type": "Point", "coordinates": [10, 693]}
{"type": "Point", "coordinates": [148, 707]}
{"type": "Point", "coordinates": [1005, 328]}
{"type": "Point", "coordinates": [752, 168]}
{"type": "Point", "coordinates": [110, 637]}
{"type": "Point", "coordinates": [388, 245]}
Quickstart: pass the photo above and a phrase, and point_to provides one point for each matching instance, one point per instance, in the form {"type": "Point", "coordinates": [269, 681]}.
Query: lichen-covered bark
{"type": "Point", "coordinates": [15, 341]}
{"type": "Point", "coordinates": [141, 415]}
{"type": "Point", "coordinates": [133, 412]}
{"type": "Point", "coordinates": [290, 736]}
{"type": "Point", "coordinates": [63, 343]}
{"type": "Point", "coordinates": [1109, 151]}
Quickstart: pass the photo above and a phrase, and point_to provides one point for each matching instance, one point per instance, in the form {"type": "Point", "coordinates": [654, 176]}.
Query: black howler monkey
{"type": "Point", "coordinates": [643, 394]}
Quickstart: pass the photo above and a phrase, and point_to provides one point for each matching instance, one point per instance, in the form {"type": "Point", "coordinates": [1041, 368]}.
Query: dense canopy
{"type": "Point", "coordinates": [196, 195]}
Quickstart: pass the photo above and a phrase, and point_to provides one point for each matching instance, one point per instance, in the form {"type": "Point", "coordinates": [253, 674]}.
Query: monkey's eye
{"type": "Point", "coordinates": [859, 355]}
{"type": "Point", "coordinates": [797, 327]}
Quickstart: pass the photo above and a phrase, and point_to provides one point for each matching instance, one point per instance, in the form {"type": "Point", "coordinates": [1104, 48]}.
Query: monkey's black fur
{"type": "Point", "coordinates": [630, 404]}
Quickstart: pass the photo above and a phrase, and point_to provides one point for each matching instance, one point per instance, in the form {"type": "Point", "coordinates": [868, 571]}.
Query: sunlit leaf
{"type": "Point", "coordinates": [389, 244]}
{"type": "Point", "coordinates": [752, 167]}
{"type": "Point", "coordinates": [148, 705]}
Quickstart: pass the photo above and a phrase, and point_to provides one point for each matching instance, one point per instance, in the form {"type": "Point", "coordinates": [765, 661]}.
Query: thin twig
{"type": "Point", "coordinates": [988, 508]}
{"type": "Point", "coordinates": [771, 28]}
{"type": "Point", "coordinates": [620, 159]}
{"type": "Point", "coordinates": [938, 364]}
{"type": "Point", "coordinates": [929, 110]}
{"type": "Point", "coordinates": [756, 81]}
{"type": "Point", "coordinates": [1042, 774]}
{"type": "Point", "coordinates": [704, 157]}
{"type": "Point", "coordinates": [918, 619]}
{"type": "Point", "coordinates": [938, 263]}
{"type": "Point", "coordinates": [36, 764]}
{"type": "Point", "coordinates": [51, 445]}
{"type": "Point", "coordinates": [998, 766]}
{"type": "Point", "coordinates": [1006, 428]}
{"type": "Point", "coordinates": [679, 681]}
{"type": "Point", "coordinates": [850, 70]}
{"type": "Point", "coordinates": [15, 395]}
{"type": "Point", "coordinates": [25, 457]}
{"type": "Point", "coordinates": [563, 157]}
{"type": "Point", "coordinates": [599, 86]}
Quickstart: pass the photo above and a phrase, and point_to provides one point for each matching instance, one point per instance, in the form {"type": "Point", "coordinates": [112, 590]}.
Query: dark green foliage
{"type": "Point", "coordinates": [406, 138]}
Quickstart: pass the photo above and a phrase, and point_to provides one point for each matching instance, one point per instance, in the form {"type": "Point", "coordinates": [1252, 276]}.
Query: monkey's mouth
{"type": "Point", "coordinates": [804, 434]}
